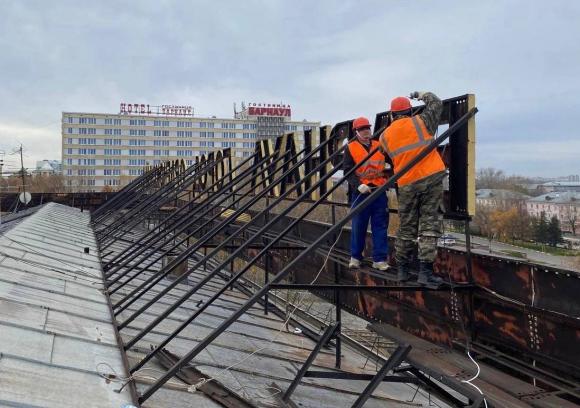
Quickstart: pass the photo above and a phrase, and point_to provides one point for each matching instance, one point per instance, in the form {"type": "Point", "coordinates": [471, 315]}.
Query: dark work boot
{"type": "Point", "coordinates": [426, 276]}
{"type": "Point", "coordinates": [402, 273]}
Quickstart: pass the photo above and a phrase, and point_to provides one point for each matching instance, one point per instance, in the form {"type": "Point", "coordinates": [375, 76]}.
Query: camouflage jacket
{"type": "Point", "coordinates": [432, 112]}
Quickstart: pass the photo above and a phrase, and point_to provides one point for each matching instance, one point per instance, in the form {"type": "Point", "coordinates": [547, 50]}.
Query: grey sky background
{"type": "Point", "coordinates": [331, 61]}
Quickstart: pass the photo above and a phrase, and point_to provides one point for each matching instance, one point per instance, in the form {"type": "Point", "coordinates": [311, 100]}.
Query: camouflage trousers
{"type": "Point", "coordinates": [419, 219]}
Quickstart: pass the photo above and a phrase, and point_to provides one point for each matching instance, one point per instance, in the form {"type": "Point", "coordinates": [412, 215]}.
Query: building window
{"type": "Point", "coordinates": [117, 122]}
{"type": "Point", "coordinates": [117, 132]}
{"type": "Point", "coordinates": [112, 182]}
{"type": "Point", "coordinates": [108, 121]}
{"type": "Point", "coordinates": [83, 121]}
{"type": "Point", "coordinates": [71, 119]}
{"type": "Point", "coordinates": [184, 143]}
{"type": "Point", "coordinates": [182, 153]}
{"type": "Point", "coordinates": [82, 131]}
{"type": "Point", "coordinates": [136, 142]}
{"type": "Point", "coordinates": [112, 162]}
{"type": "Point", "coordinates": [113, 152]}
{"type": "Point", "coordinates": [161, 143]}
{"type": "Point", "coordinates": [136, 162]}
{"type": "Point", "coordinates": [69, 131]}
{"type": "Point", "coordinates": [91, 121]}
{"type": "Point", "coordinates": [108, 132]}
{"type": "Point", "coordinates": [137, 152]}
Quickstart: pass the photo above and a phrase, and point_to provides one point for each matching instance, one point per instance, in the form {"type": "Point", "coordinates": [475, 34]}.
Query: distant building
{"type": "Point", "coordinates": [563, 186]}
{"type": "Point", "coordinates": [108, 150]}
{"type": "Point", "coordinates": [564, 205]}
{"type": "Point", "coordinates": [500, 199]}
{"type": "Point", "coordinates": [48, 167]}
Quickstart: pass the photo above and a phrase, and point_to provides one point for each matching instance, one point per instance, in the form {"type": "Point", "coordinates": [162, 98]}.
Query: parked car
{"type": "Point", "coordinates": [446, 240]}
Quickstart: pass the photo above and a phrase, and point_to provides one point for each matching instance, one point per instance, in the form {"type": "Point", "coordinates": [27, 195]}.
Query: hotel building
{"type": "Point", "coordinates": [102, 151]}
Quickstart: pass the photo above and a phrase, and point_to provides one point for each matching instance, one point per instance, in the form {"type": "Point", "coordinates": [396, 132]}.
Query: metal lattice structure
{"type": "Point", "coordinates": [231, 221]}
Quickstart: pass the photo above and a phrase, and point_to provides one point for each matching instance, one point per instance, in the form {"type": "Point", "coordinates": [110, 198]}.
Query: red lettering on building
{"type": "Point", "coordinates": [269, 110]}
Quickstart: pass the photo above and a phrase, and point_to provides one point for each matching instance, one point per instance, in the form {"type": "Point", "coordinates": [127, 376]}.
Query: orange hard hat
{"type": "Point", "coordinates": [400, 103]}
{"type": "Point", "coordinates": [360, 123]}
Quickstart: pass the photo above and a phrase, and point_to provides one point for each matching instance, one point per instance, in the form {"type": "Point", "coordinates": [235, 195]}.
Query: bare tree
{"type": "Point", "coordinates": [492, 178]}
{"type": "Point", "coordinates": [571, 215]}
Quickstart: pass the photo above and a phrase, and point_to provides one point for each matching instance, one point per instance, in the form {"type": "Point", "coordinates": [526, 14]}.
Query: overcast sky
{"type": "Point", "coordinates": [331, 60]}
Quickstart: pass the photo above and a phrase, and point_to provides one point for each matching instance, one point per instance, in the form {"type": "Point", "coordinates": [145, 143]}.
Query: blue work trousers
{"type": "Point", "coordinates": [377, 212]}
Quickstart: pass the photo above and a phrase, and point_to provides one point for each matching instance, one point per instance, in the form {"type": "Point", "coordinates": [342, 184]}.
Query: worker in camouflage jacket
{"type": "Point", "coordinates": [421, 188]}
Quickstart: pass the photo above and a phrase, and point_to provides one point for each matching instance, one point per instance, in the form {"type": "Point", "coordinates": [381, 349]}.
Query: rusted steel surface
{"type": "Point", "coordinates": [530, 310]}
{"type": "Point", "coordinates": [89, 201]}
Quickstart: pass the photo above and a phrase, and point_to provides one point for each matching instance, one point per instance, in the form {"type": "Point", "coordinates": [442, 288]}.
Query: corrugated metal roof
{"type": "Point", "coordinates": [57, 333]}
{"type": "Point", "coordinates": [55, 323]}
{"type": "Point", "coordinates": [279, 353]}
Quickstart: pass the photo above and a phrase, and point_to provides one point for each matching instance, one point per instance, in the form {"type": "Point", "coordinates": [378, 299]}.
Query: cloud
{"type": "Point", "coordinates": [331, 61]}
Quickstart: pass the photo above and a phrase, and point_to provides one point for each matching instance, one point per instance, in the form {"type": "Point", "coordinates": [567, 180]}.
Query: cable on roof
{"type": "Point", "coordinates": [467, 345]}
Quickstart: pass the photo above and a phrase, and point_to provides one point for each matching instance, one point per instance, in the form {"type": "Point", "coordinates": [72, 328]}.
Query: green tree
{"type": "Point", "coordinates": [541, 229]}
{"type": "Point", "coordinates": [554, 233]}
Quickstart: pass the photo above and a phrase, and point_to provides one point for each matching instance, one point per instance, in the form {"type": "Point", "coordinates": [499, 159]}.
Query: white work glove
{"type": "Point", "coordinates": [417, 95]}
{"type": "Point", "coordinates": [363, 189]}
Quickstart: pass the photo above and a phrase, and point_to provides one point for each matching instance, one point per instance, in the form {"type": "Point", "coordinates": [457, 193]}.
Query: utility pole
{"type": "Point", "coordinates": [23, 177]}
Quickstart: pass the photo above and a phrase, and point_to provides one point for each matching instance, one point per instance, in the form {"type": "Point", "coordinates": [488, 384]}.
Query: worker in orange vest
{"type": "Point", "coordinates": [362, 182]}
{"type": "Point", "coordinates": [421, 188]}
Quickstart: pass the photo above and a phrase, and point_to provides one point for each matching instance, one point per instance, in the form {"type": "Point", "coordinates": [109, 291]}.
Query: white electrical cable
{"type": "Point", "coordinates": [476, 376]}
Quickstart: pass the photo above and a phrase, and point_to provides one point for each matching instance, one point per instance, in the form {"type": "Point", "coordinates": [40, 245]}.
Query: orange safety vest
{"type": "Point", "coordinates": [371, 171]}
{"type": "Point", "coordinates": [403, 140]}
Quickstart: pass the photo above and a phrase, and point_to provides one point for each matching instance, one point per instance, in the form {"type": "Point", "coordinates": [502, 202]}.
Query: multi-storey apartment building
{"type": "Point", "coordinates": [563, 205]}
{"type": "Point", "coordinates": [103, 151]}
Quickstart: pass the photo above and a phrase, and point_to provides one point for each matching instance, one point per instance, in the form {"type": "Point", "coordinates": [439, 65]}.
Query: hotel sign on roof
{"type": "Point", "coordinates": [263, 109]}
{"type": "Point", "coordinates": [143, 109]}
